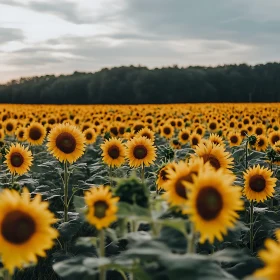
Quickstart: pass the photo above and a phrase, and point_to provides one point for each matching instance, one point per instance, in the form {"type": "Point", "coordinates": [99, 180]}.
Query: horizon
{"type": "Point", "coordinates": [38, 37]}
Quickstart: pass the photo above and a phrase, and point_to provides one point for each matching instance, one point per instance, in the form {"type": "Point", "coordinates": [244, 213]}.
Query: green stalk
{"type": "Point", "coordinates": [191, 240]}
{"type": "Point", "coordinates": [66, 180]}
{"type": "Point", "coordinates": [12, 180]}
{"type": "Point", "coordinates": [246, 154]}
{"type": "Point", "coordinates": [271, 199]}
{"type": "Point", "coordinates": [102, 272]}
{"type": "Point", "coordinates": [110, 177]}
{"type": "Point", "coordinates": [7, 275]}
{"type": "Point", "coordinates": [143, 174]}
{"type": "Point", "coordinates": [251, 226]}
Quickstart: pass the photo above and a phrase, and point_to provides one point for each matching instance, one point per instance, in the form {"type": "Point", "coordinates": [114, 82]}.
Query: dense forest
{"type": "Point", "coordinates": [136, 85]}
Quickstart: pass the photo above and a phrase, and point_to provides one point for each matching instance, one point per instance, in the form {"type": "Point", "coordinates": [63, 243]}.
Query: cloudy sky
{"type": "Point", "coordinates": [60, 36]}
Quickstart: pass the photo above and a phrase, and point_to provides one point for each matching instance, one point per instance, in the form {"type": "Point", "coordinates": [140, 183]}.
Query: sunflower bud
{"type": "Point", "coordinates": [252, 139]}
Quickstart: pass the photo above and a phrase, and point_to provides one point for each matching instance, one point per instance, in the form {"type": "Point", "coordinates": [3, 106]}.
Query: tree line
{"type": "Point", "coordinates": [140, 85]}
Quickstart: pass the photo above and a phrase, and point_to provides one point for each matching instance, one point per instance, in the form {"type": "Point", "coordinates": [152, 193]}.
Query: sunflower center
{"type": "Point", "coordinates": [17, 159]}
{"type": "Point", "coordinates": [212, 160]}
{"type": "Point", "coordinates": [88, 136]}
{"type": "Point", "coordinates": [175, 142]}
{"type": "Point", "coordinates": [35, 133]}
{"type": "Point", "coordinates": [260, 142]}
{"type": "Point", "coordinates": [140, 152]}
{"type": "Point", "coordinates": [259, 131]}
{"type": "Point", "coordinates": [209, 203]}
{"type": "Point", "coordinates": [212, 126]}
{"type": "Point", "coordinates": [163, 174]}
{"type": "Point", "coordinates": [257, 183]}
{"type": "Point", "coordinates": [180, 189]}
{"type": "Point", "coordinates": [194, 141]}
{"type": "Point", "coordinates": [147, 135]}
{"type": "Point", "coordinates": [114, 152]}
{"type": "Point", "coordinates": [166, 130]}
{"type": "Point", "coordinates": [21, 133]}
{"type": "Point", "coordinates": [17, 227]}
{"type": "Point", "coordinates": [185, 136]}
{"type": "Point", "coordinates": [114, 130]}
{"type": "Point", "coordinates": [100, 208]}
{"type": "Point", "coordinates": [234, 139]}
{"type": "Point", "coordinates": [66, 142]}
{"type": "Point", "coordinates": [9, 127]}
{"type": "Point", "coordinates": [275, 138]}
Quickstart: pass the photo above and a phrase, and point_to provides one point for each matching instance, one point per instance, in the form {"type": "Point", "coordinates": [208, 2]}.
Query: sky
{"type": "Point", "coordinates": [39, 37]}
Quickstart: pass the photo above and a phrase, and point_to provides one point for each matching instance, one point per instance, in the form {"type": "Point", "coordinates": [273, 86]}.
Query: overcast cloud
{"type": "Point", "coordinates": [63, 36]}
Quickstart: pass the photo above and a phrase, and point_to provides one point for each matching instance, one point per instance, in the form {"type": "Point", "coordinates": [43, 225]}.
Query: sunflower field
{"type": "Point", "coordinates": [142, 192]}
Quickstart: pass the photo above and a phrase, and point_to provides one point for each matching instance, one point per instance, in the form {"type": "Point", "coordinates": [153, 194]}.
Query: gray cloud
{"type": "Point", "coordinates": [10, 34]}
{"type": "Point", "coordinates": [239, 21]}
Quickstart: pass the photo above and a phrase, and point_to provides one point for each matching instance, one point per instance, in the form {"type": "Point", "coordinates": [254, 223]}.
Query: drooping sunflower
{"type": "Point", "coordinates": [90, 135]}
{"type": "Point", "coordinates": [213, 203]}
{"type": "Point", "coordinates": [35, 134]}
{"type": "Point", "coordinates": [140, 151]}
{"type": "Point", "coordinates": [102, 207]}
{"type": "Point", "coordinates": [18, 159]}
{"type": "Point", "coordinates": [113, 152]}
{"type": "Point", "coordinates": [176, 191]}
{"type": "Point", "coordinates": [271, 258]}
{"type": "Point", "coordinates": [66, 143]}
{"type": "Point", "coordinates": [234, 138]}
{"type": "Point", "coordinates": [25, 229]}
{"type": "Point", "coordinates": [259, 184]}
{"type": "Point", "coordinates": [215, 155]}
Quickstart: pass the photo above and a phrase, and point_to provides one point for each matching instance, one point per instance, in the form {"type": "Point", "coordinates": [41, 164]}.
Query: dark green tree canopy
{"type": "Point", "coordinates": [138, 85]}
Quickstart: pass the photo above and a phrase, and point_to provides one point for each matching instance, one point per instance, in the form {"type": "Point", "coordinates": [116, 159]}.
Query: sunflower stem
{"type": "Point", "coordinates": [102, 273]}
{"type": "Point", "coordinates": [7, 275]}
{"type": "Point", "coordinates": [271, 199]}
{"type": "Point", "coordinates": [251, 226]}
{"type": "Point", "coordinates": [246, 153]}
{"type": "Point", "coordinates": [191, 240]}
{"type": "Point", "coordinates": [143, 174]}
{"type": "Point", "coordinates": [66, 180]}
{"type": "Point", "coordinates": [110, 176]}
{"type": "Point", "coordinates": [12, 180]}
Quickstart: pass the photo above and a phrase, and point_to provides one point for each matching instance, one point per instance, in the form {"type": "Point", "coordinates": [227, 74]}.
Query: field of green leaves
{"type": "Point", "coordinates": [154, 192]}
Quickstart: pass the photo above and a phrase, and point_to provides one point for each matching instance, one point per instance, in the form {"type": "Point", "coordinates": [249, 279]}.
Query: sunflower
{"type": "Point", "coordinates": [212, 203]}
{"type": "Point", "coordinates": [162, 174]}
{"type": "Point", "coordinates": [195, 139]}
{"type": "Point", "coordinates": [259, 184]}
{"type": "Point", "coordinates": [234, 138]}
{"type": "Point", "coordinates": [18, 159]}
{"type": "Point", "coordinates": [176, 192]}
{"type": "Point", "coordinates": [184, 136]}
{"type": "Point", "coordinates": [113, 152]}
{"type": "Point", "coordinates": [20, 134]}
{"type": "Point", "coordinates": [216, 139]}
{"type": "Point", "coordinates": [259, 129]}
{"type": "Point", "coordinates": [90, 136]}
{"type": "Point", "coordinates": [10, 126]}
{"type": "Point", "coordinates": [66, 143]}
{"type": "Point", "coordinates": [147, 133]}
{"type": "Point", "coordinates": [140, 151]}
{"type": "Point", "coordinates": [273, 137]}
{"type": "Point", "coordinates": [213, 125]}
{"type": "Point", "coordinates": [25, 229]}
{"type": "Point", "coordinates": [175, 144]}
{"type": "Point", "coordinates": [261, 143]}
{"type": "Point", "coordinates": [35, 133]}
{"type": "Point", "coordinates": [102, 207]}
{"type": "Point", "coordinates": [215, 155]}
{"type": "Point", "coordinates": [167, 131]}
{"type": "Point", "coordinates": [271, 258]}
